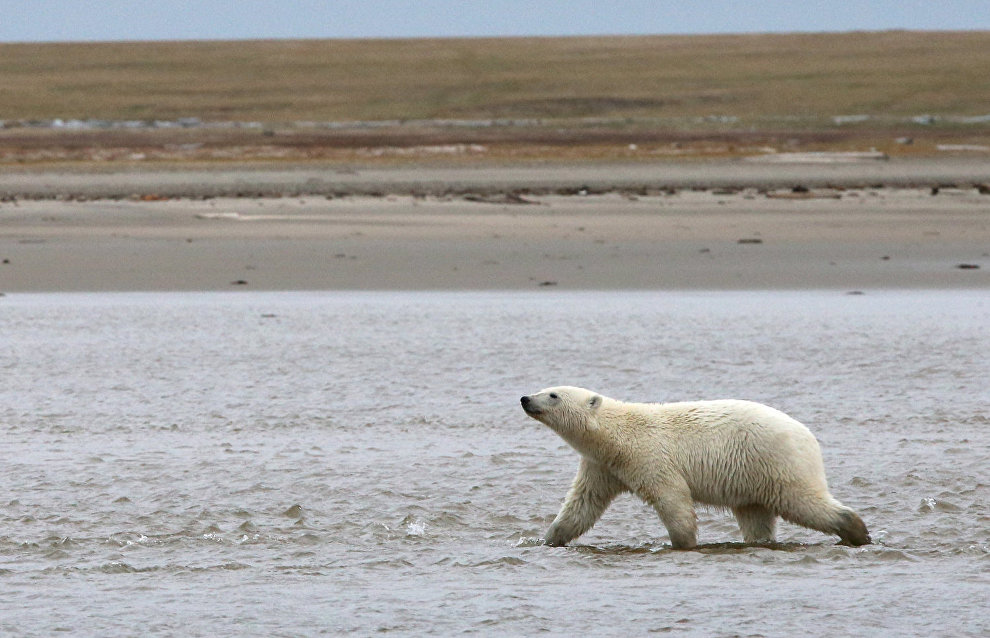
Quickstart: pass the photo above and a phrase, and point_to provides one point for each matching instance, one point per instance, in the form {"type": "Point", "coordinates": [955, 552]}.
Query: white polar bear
{"type": "Point", "coordinates": [746, 456]}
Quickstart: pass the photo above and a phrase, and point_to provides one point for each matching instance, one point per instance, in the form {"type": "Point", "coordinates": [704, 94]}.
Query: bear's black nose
{"type": "Point", "coordinates": [524, 401]}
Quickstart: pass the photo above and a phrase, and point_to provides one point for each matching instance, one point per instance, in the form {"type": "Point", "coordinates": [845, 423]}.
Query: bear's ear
{"type": "Point", "coordinates": [595, 402]}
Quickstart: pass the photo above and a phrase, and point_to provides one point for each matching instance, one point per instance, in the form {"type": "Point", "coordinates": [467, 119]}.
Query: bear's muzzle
{"type": "Point", "coordinates": [529, 405]}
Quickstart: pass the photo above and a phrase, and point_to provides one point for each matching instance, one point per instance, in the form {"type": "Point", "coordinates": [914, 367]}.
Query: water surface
{"type": "Point", "coordinates": [317, 463]}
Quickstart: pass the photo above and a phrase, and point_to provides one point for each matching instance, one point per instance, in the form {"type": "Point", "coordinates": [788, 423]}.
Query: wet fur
{"type": "Point", "coordinates": [740, 455]}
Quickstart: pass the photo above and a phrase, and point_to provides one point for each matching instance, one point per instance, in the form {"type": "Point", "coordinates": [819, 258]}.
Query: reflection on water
{"type": "Point", "coordinates": [295, 463]}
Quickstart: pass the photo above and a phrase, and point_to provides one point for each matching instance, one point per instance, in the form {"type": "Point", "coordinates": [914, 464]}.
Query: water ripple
{"type": "Point", "coordinates": [362, 463]}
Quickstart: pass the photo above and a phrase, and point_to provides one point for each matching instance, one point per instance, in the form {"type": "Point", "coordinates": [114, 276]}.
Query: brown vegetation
{"type": "Point", "coordinates": [677, 94]}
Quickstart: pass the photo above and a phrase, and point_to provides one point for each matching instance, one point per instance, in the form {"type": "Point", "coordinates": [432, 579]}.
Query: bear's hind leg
{"type": "Point", "coordinates": [757, 523]}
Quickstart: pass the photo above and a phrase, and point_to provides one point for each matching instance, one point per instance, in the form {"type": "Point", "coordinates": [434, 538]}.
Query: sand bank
{"type": "Point", "coordinates": [713, 239]}
{"type": "Point", "coordinates": [440, 180]}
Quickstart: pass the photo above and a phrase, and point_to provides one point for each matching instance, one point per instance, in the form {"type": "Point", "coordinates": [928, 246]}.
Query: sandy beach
{"type": "Point", "coordinates": [854, 226]}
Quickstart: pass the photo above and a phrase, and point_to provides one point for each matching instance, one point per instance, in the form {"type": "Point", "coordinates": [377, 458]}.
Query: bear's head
{"type": "Point", "coordinates": [566, 410]}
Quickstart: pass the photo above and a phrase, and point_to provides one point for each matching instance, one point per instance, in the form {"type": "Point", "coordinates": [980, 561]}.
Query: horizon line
{"type": "Point", "coordinates": [489, 37]}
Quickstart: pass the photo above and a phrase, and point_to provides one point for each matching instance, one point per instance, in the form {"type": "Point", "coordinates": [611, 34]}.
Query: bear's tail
{"type": "Point", "coordinates": [829, 516]}
{"type": "Point", "coordinates": [851, 528]}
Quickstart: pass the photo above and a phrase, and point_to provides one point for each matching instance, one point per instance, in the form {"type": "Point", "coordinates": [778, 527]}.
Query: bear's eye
{"type": "Point", "coordinates": [553, 395]}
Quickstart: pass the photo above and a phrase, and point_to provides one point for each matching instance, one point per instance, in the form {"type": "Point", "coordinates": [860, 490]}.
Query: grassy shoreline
{"type": "Point", "coordinates": [579, 97]}
{"type": "Point", "coordinates": [895, 73]}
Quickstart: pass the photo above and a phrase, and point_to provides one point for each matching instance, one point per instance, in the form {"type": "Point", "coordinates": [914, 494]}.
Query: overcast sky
{"type": "Point", "coordinates": [72, 20]}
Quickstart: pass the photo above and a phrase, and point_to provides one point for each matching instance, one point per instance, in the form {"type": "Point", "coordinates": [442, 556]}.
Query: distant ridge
{"type": "Point", "coordinates": [807, 75]}
{"type": "Point", "coordinates": [625, 98]}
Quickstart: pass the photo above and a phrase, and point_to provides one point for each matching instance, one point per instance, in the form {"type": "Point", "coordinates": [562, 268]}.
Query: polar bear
{"type": "Point", "coordinates": [741, 455]}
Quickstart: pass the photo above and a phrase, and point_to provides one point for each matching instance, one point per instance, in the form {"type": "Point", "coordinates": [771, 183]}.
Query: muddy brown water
{"type": "Point", "coordinates": [321, 463]}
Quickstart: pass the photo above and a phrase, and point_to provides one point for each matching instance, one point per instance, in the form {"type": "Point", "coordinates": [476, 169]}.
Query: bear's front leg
{"type": "Point", "coordinates": [592, 490]}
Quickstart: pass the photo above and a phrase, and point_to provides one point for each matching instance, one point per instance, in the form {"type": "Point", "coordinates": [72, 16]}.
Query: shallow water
{"type": "Point", "coordinates": [316, 463]}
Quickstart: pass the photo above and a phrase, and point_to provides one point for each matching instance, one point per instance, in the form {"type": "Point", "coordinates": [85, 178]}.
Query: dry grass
{"type": "Point", "coordinates": [814, 75]}
{"type": "Point", "coordinates": [783, 90]}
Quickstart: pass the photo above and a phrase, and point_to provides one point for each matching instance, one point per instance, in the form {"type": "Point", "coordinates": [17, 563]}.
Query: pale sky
{"type": "Point", "coordinates": [73, 20]}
